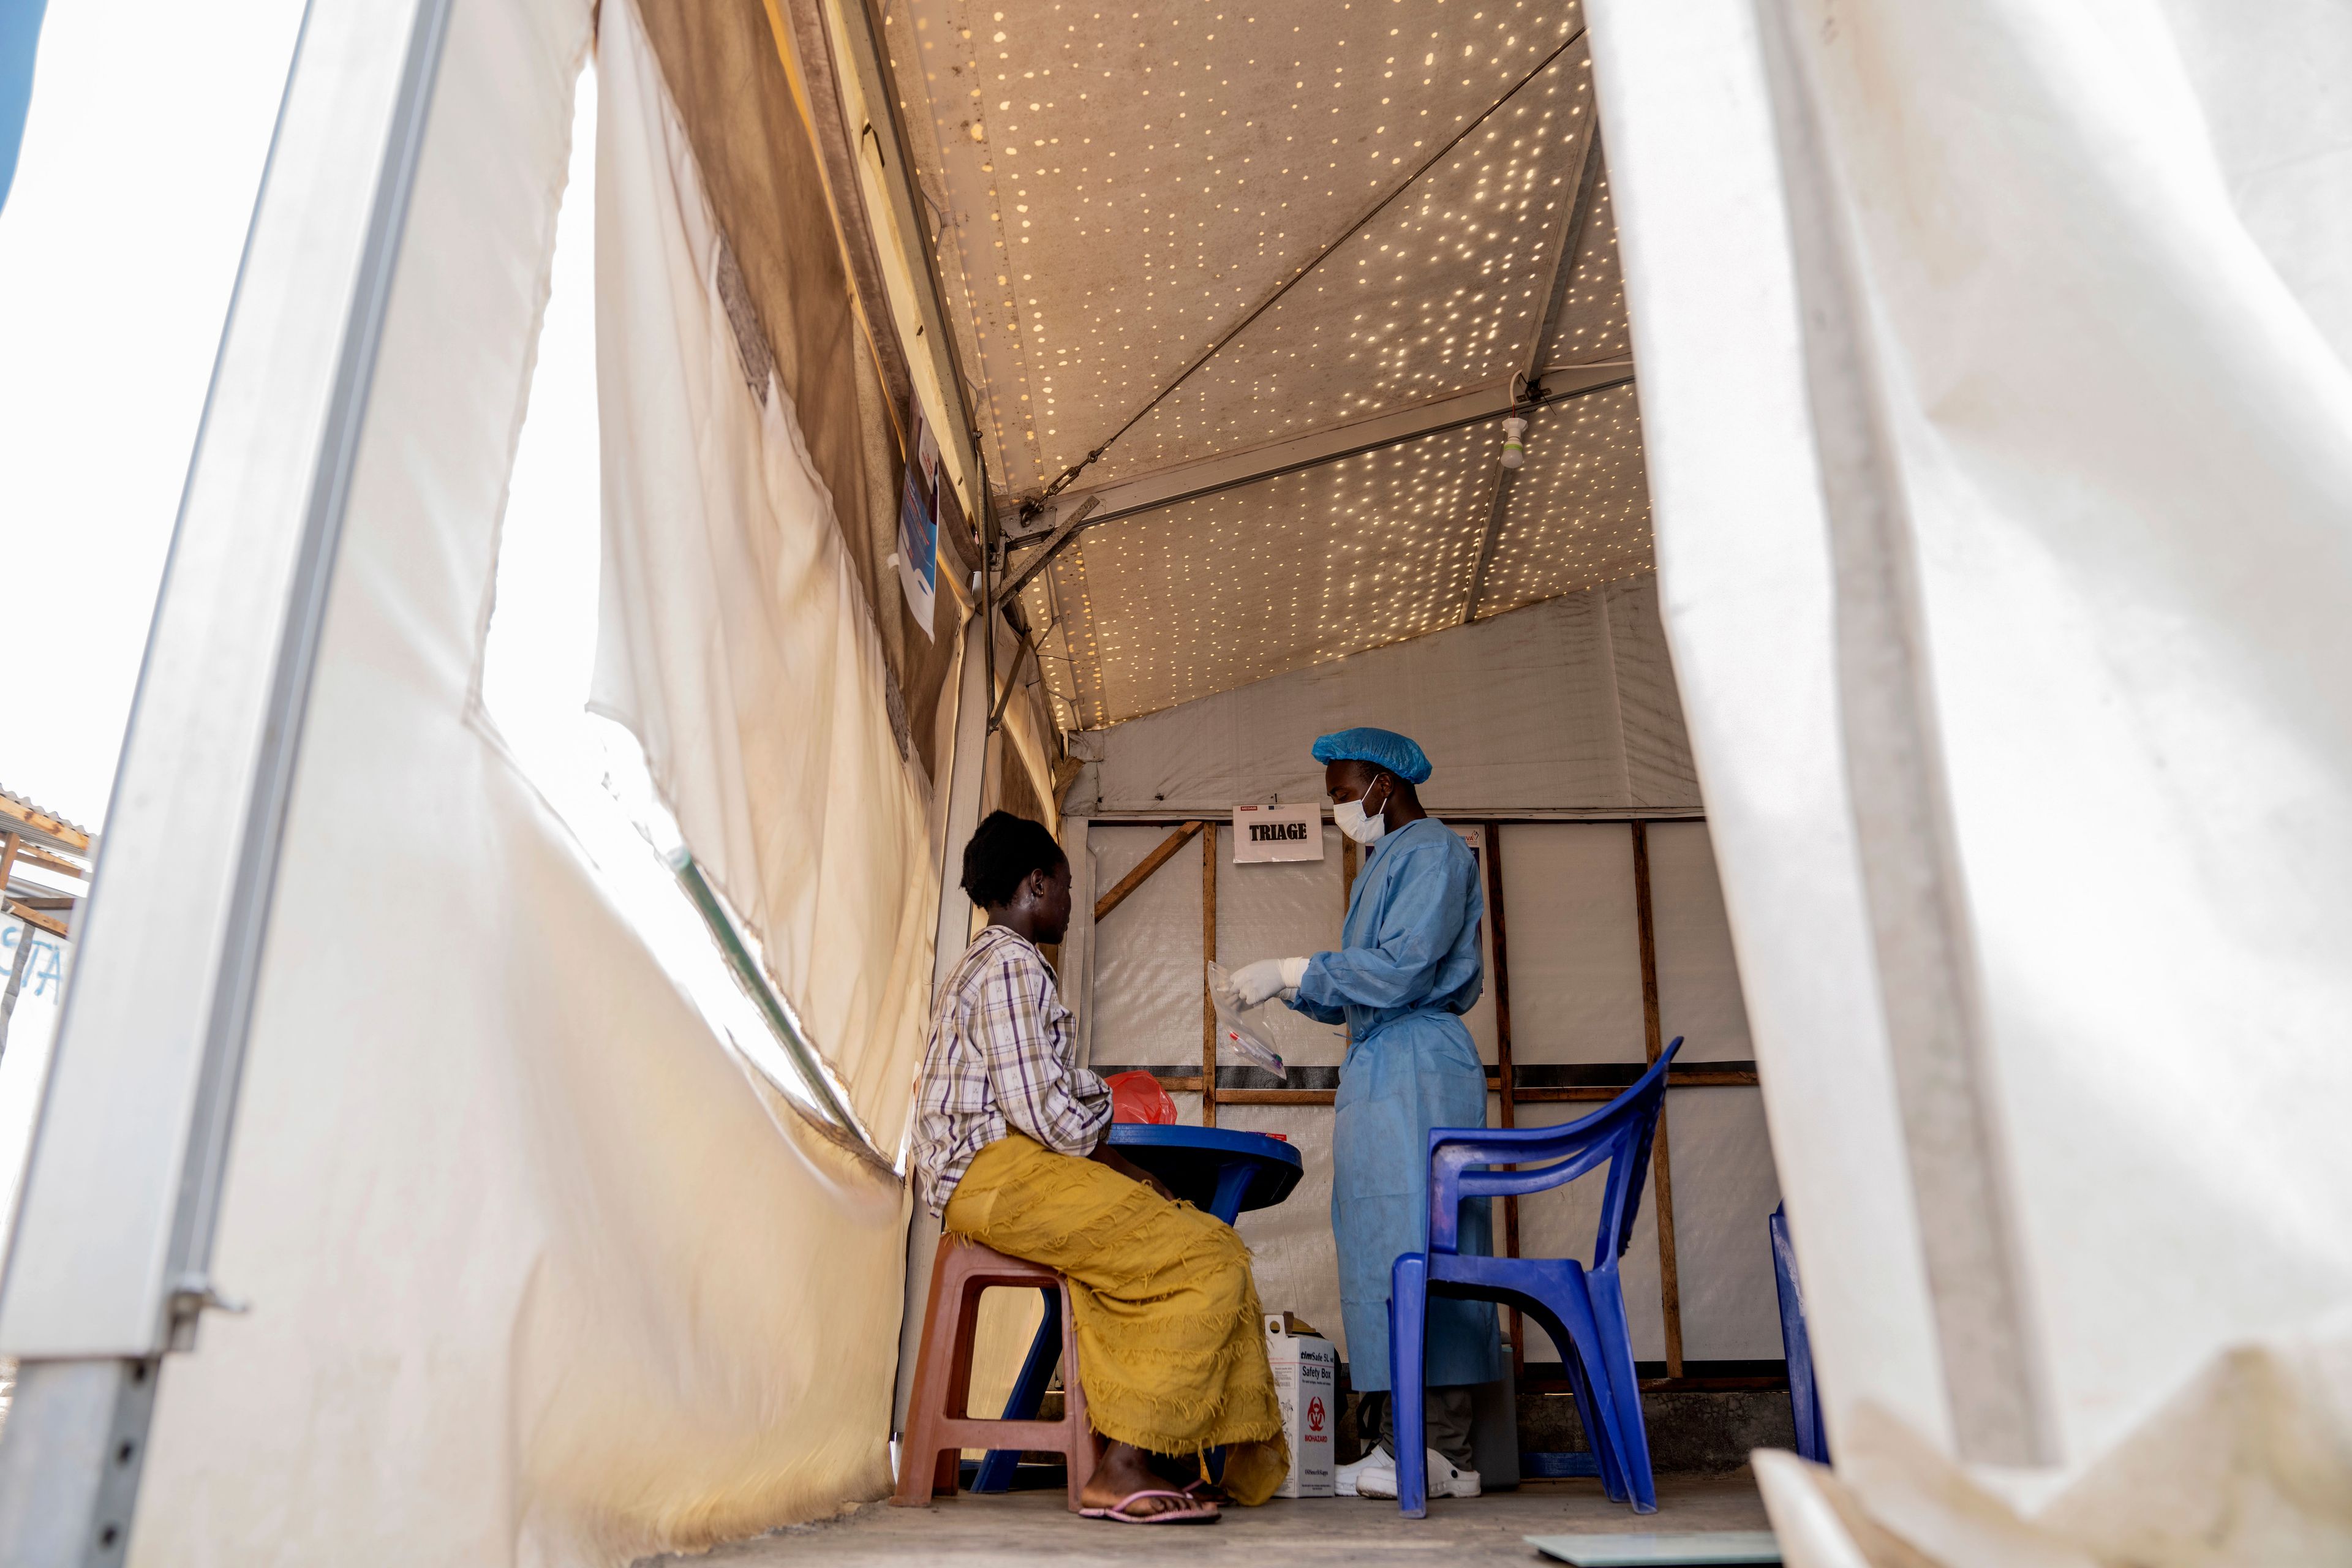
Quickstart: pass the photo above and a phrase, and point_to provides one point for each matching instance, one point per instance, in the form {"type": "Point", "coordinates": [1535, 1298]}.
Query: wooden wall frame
{"type": "Point", "coordinates": [1510, 1093]}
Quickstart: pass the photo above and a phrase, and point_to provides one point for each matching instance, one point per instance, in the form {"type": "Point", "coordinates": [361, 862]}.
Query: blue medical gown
{"type": "Point", "coordinates": [1407, 969]}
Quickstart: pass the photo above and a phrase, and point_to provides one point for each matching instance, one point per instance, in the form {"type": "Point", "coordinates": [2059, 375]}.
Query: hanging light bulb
{"type": "Point", "coordinates": [1514, 441]}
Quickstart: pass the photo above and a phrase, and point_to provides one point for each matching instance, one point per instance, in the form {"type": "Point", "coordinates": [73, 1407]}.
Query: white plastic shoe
{"type": "Point", "coordinates": [1343, 1480]}
{"type": "Point", "coordinates": [1377, 1479]}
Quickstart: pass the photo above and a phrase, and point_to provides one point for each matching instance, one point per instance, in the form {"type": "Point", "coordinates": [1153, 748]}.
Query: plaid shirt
{"type": "Point", "coordinates": [1000, 1061]}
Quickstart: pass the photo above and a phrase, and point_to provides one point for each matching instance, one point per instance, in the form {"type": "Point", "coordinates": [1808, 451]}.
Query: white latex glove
{"type": "Point", "coordinates": [1268, 978]}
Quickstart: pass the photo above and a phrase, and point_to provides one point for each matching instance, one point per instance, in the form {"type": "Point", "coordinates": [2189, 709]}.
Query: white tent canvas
{"type": "Point", "coordinates": [2022, 429]}
{"type": "Point", "coordinates": [1951, 612]}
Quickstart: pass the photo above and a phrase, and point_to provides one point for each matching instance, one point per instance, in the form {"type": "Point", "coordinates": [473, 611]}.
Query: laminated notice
{"type": "Point", "coordinates": [1271, 833]}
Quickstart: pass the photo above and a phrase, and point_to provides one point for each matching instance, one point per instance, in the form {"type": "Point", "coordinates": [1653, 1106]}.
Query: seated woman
{"type": "Point", "coordinates": [1010, 1147]}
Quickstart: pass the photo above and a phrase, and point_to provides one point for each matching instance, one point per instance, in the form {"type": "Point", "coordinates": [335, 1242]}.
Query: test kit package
{"type": "Point", "coordinates": [1307, 1382]}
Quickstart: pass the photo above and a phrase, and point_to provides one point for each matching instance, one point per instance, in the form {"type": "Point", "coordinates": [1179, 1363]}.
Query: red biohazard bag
{"type": "Point", "coordinates": [1137, 1097]}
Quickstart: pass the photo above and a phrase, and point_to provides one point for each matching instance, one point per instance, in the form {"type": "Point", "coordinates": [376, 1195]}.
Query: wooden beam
{"type": "Point", "coordinates": [30, 856]}
{"type": "Point", "coordinates": [42, 823]}
{"type": "Point", "coordinates": [1670, 1285]}
{"type": "Point", "coordinates": [48, 922]}
{"type": "Point", "coordinates": [1185, 1084]}
{"type": "Point", "coordinates": [1210, 1093]}
{"type": "Point", "coordinates": [1277, 1096]}
{"type": "Point", "coordinates": [1670, 1297]}
{"type": "Point", "coordinates": [1601, 1093]}
{"type": "Point", "coordinates": [1645, 927]}
{"type": "Point", "coordinates": [1497, 930]}
{"type": "Point", "coordinates": [1143, 869]}
{"type": "Point", "coordinates": [1586, 1094]}
{"type": "Point", "coordinates": [1505, 1083]}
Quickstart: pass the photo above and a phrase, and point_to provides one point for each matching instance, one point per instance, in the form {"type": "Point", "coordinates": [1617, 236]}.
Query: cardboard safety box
{"type": "Point", "coordinates": [1307, 1382]}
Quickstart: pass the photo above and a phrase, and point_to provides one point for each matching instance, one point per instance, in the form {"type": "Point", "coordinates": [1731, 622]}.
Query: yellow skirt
{"type": "Point", "coordinates": [1171, 1350]}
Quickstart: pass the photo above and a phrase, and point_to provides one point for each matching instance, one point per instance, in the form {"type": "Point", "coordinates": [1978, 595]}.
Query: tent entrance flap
{"type": "Point", "coordinates": [205, 781]}
{"type": "Point", "coordinates": [1882, 622]}
{"type": "Point", "coordinates": [735, 641]}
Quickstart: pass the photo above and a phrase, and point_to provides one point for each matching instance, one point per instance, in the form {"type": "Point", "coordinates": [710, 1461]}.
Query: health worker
{"type": "Point", "coordinates": [1407, 971]}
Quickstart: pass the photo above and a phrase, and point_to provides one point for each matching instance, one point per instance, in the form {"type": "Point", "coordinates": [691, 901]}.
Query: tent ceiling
{"type": "Point", "coordinates": [1120, 189]}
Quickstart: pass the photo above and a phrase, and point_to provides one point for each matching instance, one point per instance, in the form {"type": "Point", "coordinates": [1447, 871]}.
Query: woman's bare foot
{"type": "Point", "coordinates": [1123, 1470]}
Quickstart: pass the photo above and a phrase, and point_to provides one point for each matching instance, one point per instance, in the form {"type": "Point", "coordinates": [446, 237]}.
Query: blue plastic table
{"type": "Point", "coordinates": [1213, 1168]}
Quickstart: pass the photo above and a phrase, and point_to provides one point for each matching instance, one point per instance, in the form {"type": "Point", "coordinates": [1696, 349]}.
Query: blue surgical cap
{"type": "Point", "coordinates": [1381, 748]}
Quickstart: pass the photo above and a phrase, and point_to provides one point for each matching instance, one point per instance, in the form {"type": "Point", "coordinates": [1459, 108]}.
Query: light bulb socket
{"type": "Point", "coordinates": [1515, 448]}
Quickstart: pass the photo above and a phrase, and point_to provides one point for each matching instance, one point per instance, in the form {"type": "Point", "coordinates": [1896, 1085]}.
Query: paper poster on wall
{"type": "Point", "coordinates": [1269, 833]}
{"type": "Point", "coordinates": [919, 548]}
{"type": "Point", "coordinates": [927, 459]}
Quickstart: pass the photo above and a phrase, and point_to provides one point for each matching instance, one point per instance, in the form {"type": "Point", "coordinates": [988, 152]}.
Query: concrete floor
{"type": "Point", "coordinates": [1017, 1529]}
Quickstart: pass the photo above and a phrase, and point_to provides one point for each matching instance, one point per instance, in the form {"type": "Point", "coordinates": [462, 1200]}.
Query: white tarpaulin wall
{"type": "Point", "coordinates": [1565, 705]}
{"type": "Point", "coordinates": [1994, 368]}
{"type": "Point", "coordinates": [539, 1273]}
{"type": "Point", "coordinates": [1576, 1003]}
{"type": "Point", "coordinates": [1567, 1006]}
{"type": "Point", "coordinates": [736, 643]}
{"type": "Point", "coordinates": [1528, 711]}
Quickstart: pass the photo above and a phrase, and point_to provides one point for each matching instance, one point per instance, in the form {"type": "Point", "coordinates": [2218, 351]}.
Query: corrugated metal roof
{"type": "Point", "coordinates": [41, 826]}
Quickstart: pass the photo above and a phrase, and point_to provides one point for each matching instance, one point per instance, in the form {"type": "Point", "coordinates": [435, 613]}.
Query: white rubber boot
{"type": "Point", "coordinates": [1343, 1480]}
{"type": "Point", "coordinates": [1445, 1477]}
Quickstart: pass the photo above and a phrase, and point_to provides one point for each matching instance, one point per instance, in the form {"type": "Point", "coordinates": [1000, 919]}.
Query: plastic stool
{"type": "Point", "coordinates": [939, 1427]}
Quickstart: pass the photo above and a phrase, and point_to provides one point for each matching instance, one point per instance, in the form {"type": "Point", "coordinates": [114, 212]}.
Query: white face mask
{"type": "Point", "coordinates": [1358, 824]}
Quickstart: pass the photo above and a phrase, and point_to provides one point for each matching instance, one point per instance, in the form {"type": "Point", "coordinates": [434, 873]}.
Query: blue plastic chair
{"type": "Point", "coordinates": [1804, 1396]}
{"type": "Point", "coordinates": [1583, 1309]}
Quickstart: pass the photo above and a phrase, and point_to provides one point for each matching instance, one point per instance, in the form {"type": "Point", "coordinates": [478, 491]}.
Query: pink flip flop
{"type": "Point", "coordinates": [1194, 1511]}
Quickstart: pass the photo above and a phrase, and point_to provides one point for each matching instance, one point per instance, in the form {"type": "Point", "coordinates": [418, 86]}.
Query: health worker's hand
{"type": "Point", "coordinates": [1268, 978]}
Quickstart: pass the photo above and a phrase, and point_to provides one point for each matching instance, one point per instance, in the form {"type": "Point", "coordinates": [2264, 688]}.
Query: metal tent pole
{"type": "Point", "coordinates": [109, 1268]}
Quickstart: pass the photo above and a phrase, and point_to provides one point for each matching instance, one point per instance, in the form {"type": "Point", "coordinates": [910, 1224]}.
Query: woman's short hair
{"type": "Point", "coordinates": [1004, 850]}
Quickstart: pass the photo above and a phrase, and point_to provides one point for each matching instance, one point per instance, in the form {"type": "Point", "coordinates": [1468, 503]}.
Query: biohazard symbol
{"type": "Point", "coordinates": [1315, 1414]}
